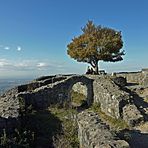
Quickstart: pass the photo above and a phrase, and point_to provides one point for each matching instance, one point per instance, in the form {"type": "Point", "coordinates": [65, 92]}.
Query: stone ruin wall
{"type": "Point", "coordinates": [55, 93]}
{"type": "Point", "coordinates": [106, 93]}
{"type": "Point", "coordinates": [140, 77]}
{"type": "Point", "coordinates": [94, 133]}
{"type": "Point", "coordinates": [56, 89]}
{"type": "Point", "coordinates": [110, 97]}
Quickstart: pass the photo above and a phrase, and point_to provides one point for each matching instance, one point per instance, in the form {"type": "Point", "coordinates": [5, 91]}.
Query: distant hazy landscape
{"type": "Point", "coordinates": [6, 84]}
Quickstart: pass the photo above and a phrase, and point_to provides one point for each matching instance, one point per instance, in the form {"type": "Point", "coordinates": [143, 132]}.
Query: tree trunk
{"type": "Point", "coordinates": [96, 68]}
{"type": "Point", "coordinates": [94, 64]}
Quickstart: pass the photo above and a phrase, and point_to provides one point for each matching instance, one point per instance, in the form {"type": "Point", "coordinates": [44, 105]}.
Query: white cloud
{"type": "Point", "coordinates": [42, 64]}
{"type": "Point", "coordinates": [6, 48]}
{"type": "Point", "coordinates": [30, 67]}
{"type": "Point", "coordinates": [3, 63]}
{"type": "Point", "coordinates": [19, 48]}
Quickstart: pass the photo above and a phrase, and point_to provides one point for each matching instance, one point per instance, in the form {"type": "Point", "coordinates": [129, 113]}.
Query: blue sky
{"type": "Point", "coordinates": [34, 34]}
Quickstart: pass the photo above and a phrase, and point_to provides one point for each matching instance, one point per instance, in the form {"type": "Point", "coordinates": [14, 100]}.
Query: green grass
{"type": "Point", "coordinates": [68, 138]}
{"type": "Point", "coordinates": [44, 128]}
{"type": "Point", "coordinates": [77, 98]}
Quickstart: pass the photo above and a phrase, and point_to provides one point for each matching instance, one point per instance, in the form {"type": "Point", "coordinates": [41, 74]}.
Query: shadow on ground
{"type": "Point", "coordinates": [135, 138]}
{"type": "Point", "coordinates": [45, 126]}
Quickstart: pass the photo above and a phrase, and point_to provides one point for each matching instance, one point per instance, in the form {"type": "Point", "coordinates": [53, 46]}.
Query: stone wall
{"type": "Point", "coordinates": [93, 133]}
{"type": "Point", "coordinates": [57, 92]}
{"type": "Point", "coordinates": [48, 90]}
{"type": "Point", "coordinates": [140, 77]}
{"type": "Point", "coordinates": [110, 96]}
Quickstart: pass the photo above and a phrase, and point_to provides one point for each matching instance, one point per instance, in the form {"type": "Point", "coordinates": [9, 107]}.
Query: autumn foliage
{"type": "Point", "coordinates": [96, 43]}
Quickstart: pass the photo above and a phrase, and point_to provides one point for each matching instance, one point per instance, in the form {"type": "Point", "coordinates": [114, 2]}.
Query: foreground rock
{"type": "Point", "coordinates": [9, 110]}
{"type": "Point", "coordinates": [93, 133]}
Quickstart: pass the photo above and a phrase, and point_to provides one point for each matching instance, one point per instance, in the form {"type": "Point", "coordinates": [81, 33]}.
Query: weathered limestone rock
{"type": "Point", "coordinates": [132, 115]}
{"type": "Point", "coordinates": [9, 104]}
{"type": "Point", "coordinates": [93, 133]}
{"type": "Point", "coordinates": [9, 110]}
{"type": "Point", "coordinates": [80, 88]}
{"type": "Point", "coordinates": [110, 96]}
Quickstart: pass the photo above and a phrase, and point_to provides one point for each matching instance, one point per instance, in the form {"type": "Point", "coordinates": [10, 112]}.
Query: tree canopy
{"type": "Point", "coordinates": [96, 43]}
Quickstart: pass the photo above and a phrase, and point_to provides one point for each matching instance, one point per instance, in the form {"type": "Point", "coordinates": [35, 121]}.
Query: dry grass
{"type": "Point", "coordinates": [77, 98]}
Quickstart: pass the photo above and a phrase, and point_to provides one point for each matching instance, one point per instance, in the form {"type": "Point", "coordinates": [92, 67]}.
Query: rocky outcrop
{"type": "Point", "coordinates": [9, 110]}
{"type": "Point", "coordinates": [48, 90]}
{"type": "Point", "coordinates": [93, 133]}
{"type": "Point", "coordinates": [45, 91]}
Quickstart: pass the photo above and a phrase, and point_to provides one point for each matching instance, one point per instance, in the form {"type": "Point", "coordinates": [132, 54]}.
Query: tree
{"type": "Point", "coordinates": [96, 43]}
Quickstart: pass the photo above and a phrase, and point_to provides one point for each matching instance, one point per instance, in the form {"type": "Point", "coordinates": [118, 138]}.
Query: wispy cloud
{"type": "Point", "coordinates": [29, 65]}
{"type": "Point", "coordinates": [19, 48]}
{"type": "Point", "coordinates": [42, 65]}
{"type": "Point", "coordinates": [3, 63]}
{"type": "Point", "coordinates": [4, 47]}
{"type": "Point", "coordinates": [7, 48]}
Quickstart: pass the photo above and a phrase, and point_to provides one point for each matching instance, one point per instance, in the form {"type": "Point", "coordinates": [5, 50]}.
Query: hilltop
{"type": "Point", "coordinates": [85, 106]}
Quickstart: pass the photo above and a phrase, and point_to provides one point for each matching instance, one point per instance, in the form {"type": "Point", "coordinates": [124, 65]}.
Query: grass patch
{"type": "Point", "coordinates": [77, 98]}
{"type": "Point", "coordinates": [54, 127]}
{"type": "Point", "coordinates": [117, 124]}
{"type": "Point", "coordinates": [68, 138]}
